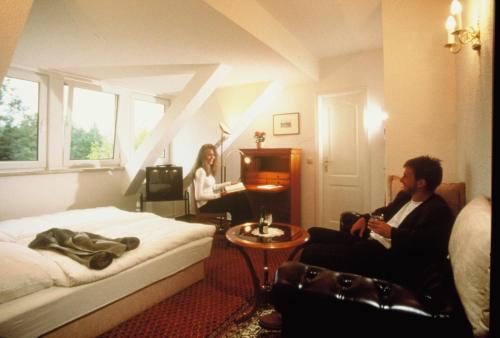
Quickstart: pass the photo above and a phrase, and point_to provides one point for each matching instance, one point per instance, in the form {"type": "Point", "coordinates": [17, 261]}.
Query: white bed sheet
{"type": "Point", "coordinates": [151, 229]}
{"type": "Point", "coordinates": [45, 310]}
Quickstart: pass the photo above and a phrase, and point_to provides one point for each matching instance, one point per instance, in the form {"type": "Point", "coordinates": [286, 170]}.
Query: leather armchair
{"type": "Point", "coordinates": [317, 302]}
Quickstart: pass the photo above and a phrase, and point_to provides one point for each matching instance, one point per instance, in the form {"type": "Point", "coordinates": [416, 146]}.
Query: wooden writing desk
{"type": "Point", "coordinates": [272, 179]}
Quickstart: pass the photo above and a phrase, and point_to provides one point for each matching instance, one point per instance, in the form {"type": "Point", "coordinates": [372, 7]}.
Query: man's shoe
{"type": "Point", "coordinates": [271, 321]}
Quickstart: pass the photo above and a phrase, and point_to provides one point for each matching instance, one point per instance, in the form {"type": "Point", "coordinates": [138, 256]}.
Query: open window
{"type": "Point", "coordinates": [90, 126]}
{"type": "Point", "coordinates": [23, 116]}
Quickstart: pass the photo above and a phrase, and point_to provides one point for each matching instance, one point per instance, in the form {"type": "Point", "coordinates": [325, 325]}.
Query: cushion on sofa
{"type": "Point", "coordinates": [469, 249]}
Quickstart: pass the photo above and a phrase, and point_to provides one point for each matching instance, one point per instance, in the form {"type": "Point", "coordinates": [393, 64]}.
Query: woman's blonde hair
{"type": "Point", "coordinates": [200, 160]}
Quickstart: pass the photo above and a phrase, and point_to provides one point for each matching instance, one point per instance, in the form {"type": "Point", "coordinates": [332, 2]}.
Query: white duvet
{"type": "Point", "coordinates": [157, 235]}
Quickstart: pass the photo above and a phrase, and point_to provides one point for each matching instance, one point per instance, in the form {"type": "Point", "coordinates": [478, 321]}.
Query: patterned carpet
{"type": "Point", "coordinates": [207, 308]}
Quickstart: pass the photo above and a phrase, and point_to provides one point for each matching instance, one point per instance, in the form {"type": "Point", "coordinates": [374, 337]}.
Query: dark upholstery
{"type": "Point", "coordinates": [317, 302]}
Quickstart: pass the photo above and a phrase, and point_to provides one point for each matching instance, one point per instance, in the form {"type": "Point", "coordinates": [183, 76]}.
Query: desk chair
{"type": "Point", "coordinates": [217, 218]}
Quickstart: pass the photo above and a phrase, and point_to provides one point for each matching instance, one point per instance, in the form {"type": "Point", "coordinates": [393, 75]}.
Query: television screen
{"type": "Point", "coordinates": [164, 183]}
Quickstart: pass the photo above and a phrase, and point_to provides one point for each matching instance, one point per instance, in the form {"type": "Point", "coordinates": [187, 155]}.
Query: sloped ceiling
{"type": "Point", "coordinates": [155, 46]}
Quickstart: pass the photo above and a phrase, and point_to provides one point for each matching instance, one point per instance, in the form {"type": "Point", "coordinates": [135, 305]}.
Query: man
{"type": "Point", "coordinates": [409, 246]}
{"type": "Point", "coordinates": [406, 247]}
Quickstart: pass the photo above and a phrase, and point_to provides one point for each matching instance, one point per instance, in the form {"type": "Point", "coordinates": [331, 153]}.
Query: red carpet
{"type": "Point", "coordinates": [208, 307]}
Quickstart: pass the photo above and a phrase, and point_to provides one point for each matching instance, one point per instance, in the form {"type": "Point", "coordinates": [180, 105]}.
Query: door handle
{"type": "Point", "coordinates": [325, 165]}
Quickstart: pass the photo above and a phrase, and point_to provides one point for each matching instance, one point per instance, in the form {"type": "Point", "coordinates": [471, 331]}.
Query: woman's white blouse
{"type": "Point", "coordinates": [205, 188]}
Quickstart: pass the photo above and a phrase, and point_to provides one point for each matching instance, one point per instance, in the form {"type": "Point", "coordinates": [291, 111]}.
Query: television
{"type": "Point", "coordinates": [164, 183]}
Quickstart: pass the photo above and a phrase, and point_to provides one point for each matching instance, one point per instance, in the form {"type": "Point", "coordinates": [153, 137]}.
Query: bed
{"type": "Point", "coordinates": [44, 293]}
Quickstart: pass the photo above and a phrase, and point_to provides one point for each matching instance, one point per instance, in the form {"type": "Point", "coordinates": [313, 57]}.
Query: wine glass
{"type": "Point", "coordinates": [268, 219]}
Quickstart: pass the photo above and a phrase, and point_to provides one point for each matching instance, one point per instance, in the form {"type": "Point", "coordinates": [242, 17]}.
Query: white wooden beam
{"type": "Point", "coordinates": [199, 88]}
{"type": "Point", "coordinates": [250, 16]}
{"type": "Point", "coordinates": [13, 16]}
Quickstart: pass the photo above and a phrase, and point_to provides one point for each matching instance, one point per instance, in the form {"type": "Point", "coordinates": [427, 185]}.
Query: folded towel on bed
{"type": "Point", "coordinates": [92, 250]}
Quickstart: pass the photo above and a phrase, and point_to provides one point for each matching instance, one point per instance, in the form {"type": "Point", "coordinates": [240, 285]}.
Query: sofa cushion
{"type": "Point", "coordinates": [469, 250]}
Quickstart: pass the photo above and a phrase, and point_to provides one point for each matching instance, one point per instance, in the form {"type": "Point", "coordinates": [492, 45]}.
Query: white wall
{"type": "Point", "coordinates": [439, 103]}
{"type": "Point", "coordinates": [30, 195]}
{"type": "Point", "coordinates": [419, 84]}
{"type": "Point", "coordinates": [363, 70]}
{"type": "Point", "coordinates": [474, 103]}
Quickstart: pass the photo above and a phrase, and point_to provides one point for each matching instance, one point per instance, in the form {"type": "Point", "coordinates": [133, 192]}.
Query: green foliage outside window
{"type": "Point", "coordinates": [89, 145]}
{"type": "Point", "coordinates": [19, 132]}
{"type": "Point", "coordinates": [18, 127]}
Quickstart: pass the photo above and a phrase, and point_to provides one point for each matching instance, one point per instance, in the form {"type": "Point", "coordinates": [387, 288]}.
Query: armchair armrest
{"type": "Point", "coordinates": [348, 218]}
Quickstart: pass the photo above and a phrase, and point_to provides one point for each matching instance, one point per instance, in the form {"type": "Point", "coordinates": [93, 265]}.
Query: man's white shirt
{"type": "Point", "coordinates": [395, 221]}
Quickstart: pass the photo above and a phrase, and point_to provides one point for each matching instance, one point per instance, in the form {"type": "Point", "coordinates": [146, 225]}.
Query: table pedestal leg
{"type": "Point", "coordinates": [261, 293]}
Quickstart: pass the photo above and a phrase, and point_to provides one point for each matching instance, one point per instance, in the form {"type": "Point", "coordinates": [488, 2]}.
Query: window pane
{"type": "Point", "coordinates": [146, 116]}
{"type": "Point", "coordinates": [19, 120]}
{"type": "Point", "coordinates": [92, 125]}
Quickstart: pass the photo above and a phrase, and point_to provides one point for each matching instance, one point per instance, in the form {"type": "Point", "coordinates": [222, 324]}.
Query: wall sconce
{"type": "Point", "coordinates": [458, 36]}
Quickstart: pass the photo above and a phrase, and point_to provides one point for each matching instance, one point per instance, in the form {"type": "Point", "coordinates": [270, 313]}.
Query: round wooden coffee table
{"type": "Point", "coordinates": [281, 236]}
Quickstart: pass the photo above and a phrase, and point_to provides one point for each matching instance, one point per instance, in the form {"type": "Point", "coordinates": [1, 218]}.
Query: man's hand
{"type": "Point", "coordinates": [359, 226]}
{"type": "Point", "coordinates": [379, 227]}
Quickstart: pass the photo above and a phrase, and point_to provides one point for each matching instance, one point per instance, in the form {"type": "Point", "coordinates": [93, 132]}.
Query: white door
{"type": "Point", "coordinates": [344, 174]}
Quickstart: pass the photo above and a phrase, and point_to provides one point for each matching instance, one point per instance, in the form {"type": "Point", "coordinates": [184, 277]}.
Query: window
{"type": "Point", "coordinates": [147, 114]}
{"type": "Point", "coordinates": [90, 130]}
{"type": "Point", "coordinates": [23, 110]}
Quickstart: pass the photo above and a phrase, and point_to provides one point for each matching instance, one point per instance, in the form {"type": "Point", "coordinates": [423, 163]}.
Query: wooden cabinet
{"type": "Point", "coordinates": [272, 179]}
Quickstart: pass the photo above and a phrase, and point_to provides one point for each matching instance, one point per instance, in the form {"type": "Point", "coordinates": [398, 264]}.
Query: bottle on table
{"type": "Point", "coordinates": [261, 220]}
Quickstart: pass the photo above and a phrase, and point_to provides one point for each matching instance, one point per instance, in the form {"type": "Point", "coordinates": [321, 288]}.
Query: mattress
{"type": "Point", "coordinates": [45, 310]}
{"type": "Point", "coordinates": [49, 307]}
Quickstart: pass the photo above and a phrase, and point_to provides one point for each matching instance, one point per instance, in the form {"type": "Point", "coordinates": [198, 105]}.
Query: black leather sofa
{"type": "Point", "coordinates": [317, 302]}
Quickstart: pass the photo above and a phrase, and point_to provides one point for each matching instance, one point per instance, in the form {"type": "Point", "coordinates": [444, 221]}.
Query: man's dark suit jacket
{"type": "Point", "coordinates": [420, 243]}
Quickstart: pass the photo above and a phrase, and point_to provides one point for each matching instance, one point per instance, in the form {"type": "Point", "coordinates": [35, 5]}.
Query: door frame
{"type": "Point", "coordinates": [320, 118]}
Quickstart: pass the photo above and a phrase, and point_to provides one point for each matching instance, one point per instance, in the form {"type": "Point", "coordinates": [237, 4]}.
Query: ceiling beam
{"type": "Point", "coordinates": [199, 88]}
{"type": "Point", "coordinates": [13, 16]}
{"type": "Point", "coordinates": [250, 16]}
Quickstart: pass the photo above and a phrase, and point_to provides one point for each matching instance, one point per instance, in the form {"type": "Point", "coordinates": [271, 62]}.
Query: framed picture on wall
{"type": "Point", "coordinates": [286, 124]}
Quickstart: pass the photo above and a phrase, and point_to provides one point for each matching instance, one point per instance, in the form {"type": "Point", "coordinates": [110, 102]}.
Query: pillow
{"type": "Point", "coordinates": [23, 271]}
{"type": "Point", "coordinates": [469, 249]}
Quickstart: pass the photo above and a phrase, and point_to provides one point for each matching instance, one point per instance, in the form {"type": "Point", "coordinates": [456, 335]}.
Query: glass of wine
{"type": "Point", "coordinates": [268, 219]}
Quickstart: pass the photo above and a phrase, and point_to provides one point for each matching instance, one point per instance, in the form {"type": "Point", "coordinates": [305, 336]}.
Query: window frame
{"type": "Point", "coordinates": [144, 98]}
{"type": "Point", "coordinates": [43, 85]}
{"type": "Point", "coordinates": [67, 161]}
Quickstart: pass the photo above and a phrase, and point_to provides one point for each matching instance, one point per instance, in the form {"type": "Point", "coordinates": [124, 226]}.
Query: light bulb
{"type": "Point", "coordinates": [456, 7]}
{"type": "Point", "coordinates": [450, 24]}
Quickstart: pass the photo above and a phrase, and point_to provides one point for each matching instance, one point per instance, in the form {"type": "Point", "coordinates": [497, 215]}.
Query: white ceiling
{"type": "Point", "coordinates": [155, 46]}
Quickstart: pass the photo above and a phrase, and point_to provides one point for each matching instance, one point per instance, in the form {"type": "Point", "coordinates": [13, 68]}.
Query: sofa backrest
{"type": "Point", "coordinates": [469, 249]}
{"type": "Point", "coordinates": [453, 193]}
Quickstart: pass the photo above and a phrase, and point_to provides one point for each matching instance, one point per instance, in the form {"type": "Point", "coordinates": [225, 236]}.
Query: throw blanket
{"type": "Point", "coordinates": [94, 251]}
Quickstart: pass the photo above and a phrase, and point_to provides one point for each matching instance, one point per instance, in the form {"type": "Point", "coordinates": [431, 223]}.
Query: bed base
{"type": "Point", "coordinates": [109, 316]}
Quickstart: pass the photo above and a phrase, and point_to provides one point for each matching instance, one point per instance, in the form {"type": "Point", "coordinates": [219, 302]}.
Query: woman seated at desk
{"type": "Point", "coordinates": [211, 197]}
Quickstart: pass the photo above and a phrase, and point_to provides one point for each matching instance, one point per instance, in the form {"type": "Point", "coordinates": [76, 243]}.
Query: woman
{"type": "Point", "coordinates": [211, 197]}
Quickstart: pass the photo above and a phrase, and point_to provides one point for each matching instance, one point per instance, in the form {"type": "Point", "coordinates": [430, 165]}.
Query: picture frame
{"type": "Point", "coordinates": [286, 124]}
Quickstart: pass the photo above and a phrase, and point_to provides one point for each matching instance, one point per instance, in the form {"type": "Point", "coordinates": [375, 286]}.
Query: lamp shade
{"type": "Point", "coordinates": [224, 128]}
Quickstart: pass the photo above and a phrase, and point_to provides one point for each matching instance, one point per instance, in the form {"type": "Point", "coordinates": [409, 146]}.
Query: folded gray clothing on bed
{"type": "Point", "coordinates": [94, 251]}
